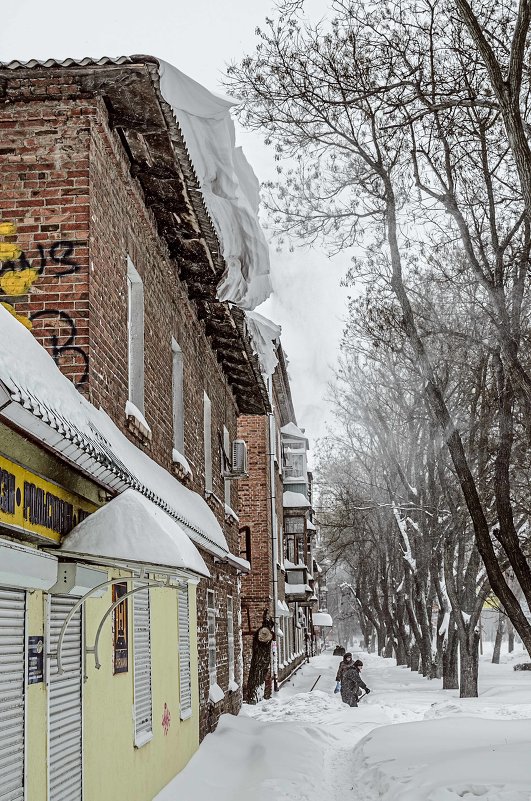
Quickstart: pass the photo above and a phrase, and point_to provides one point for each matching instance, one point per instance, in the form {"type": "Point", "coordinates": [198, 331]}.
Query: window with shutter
{"type": "Point", "coordinates": [65, 709]}
{"type": "Point", "coordinates": [185, 676]}
{"type": "Point", "coordinates": [142, 668]}
{"type": "Point", "coordinates": [12, 659]}
{"type": "Point", "coordinates": [211, 628]}
{"type": "Point", "coordinates": [230, 640]}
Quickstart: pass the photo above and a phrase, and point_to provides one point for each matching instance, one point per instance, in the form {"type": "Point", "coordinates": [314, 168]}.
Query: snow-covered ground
{"type": "Point", "coordinates": [407, 741]}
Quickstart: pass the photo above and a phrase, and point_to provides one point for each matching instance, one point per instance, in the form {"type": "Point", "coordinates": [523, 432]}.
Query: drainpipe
{"type": "Point", "coordinates": [274, 540]}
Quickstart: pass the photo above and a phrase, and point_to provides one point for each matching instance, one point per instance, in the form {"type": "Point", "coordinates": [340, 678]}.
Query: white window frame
{"type": "Point", "coordinates": [177, 396]}
{"type": "Point", "coordinates": [143, 728]}
{"type": "Point", "coordinates": [135, 336]}
{"type": "Point", "coordinates": [226, 448]}
{"type": "Point", "coordinates": [207, 441]}
{"type": "Point", "coordinates": [230, 640]}
{"type": "Point", "coordinates": [211, 632]}
{"type": "Point", "coordinates": [185, 670]}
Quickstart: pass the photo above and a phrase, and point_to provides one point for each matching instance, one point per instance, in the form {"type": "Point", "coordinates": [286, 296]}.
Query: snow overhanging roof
{"type": "Point", "coordinates": [150, 128]}
{"type": "Point", "coordinates": [295, 500]}
{"type": "Point", "coordinates": [130, 529]}
{"type": "Point", "coordinates": [40, 400]}
{"type": "Point", "coordinates": [322, 619]}
{"type": "Point", "coordinates": [291, 431]}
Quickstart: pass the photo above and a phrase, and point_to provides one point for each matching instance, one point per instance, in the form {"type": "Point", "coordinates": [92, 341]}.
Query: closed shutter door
{"type": "Point", "coordinates": [12, 665]}
{"type": "Point", "coordinates": [65, 705]}
{"type": "Point", "coordinates": [142, 668]}
{"type": "Point", "coordinates": [185, 676]}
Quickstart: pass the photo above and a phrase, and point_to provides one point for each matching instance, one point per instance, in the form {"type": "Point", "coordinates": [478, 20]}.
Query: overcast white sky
{"type": "Point", "coordinates": [200, 37]}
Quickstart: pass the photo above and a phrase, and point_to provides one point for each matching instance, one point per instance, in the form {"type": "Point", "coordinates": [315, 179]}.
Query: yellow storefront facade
{"type": "Point", "coordinates": [126, 727]}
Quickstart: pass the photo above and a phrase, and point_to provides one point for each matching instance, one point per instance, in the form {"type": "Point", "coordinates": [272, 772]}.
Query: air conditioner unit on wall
{"type": "Point", "coordinates": [238, 460]}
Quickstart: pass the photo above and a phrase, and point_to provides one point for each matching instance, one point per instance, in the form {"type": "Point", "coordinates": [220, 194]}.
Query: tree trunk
{"type": "Point", "coordinates": [400, 652]}
{"type": "Point", "coordinates": [450, 666]}
{"type": "Point", "coordinates": [260, 667]}
{"type": "Point", "coordinates": [469, 659]}
{"type": "Point", "coordinates": [510, 637]}
{"type": "Point", "coordinates": [389, 647]}
{"type": "Point", "coordinates": [499, 639]}
{"type": "Point", "coordinates": [414, 657]}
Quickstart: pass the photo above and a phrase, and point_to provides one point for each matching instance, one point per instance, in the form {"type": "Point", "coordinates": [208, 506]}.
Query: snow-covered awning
{"type": "Point", "coordinates": [322, 619]}
{"type": "Point", "coordinates": [297, 589]}
{"type": "Point", "coordinates": [39, 399]}
{"type": "Point", "coordinates": [291, 431]}
{"type": "Point", "coordinates": [283, 609]}
{"type": "Point", "coordinates": [295, 500]}
{"type": "Point", "coordinates": [310, 526]}
{"type": "Point", "coordinates": [188, 508]}
{"type": "Point", "coordinates": [230, 189]}
{"type": "Point", "coordinates": [240, 564]}
{"type": "Point", "coordinates": [131, 530]}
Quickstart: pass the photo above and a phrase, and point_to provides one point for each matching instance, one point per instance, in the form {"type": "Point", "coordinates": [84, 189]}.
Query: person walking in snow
{"type": "Point", "coordinates": [345, 662]}
{"type": "Point", "coordinates": [352, 683]}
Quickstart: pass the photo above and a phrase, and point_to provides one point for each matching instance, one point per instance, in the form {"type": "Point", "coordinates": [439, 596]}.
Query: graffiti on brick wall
{"type": "Point", "coordinates": [17, 277]}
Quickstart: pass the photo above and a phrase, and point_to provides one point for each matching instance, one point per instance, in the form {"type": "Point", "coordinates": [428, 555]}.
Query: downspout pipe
{"type": "Point", "coordinates": [274, 538]}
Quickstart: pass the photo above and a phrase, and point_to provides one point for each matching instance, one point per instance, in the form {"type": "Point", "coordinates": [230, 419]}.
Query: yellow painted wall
{"type": "Point", "coordinates": [36, 710]}
{"type": "Point", "coordinates": [113, 767]}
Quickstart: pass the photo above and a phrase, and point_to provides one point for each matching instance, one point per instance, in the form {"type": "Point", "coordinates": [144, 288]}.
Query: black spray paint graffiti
{"type": "Point", "coordinates": [59, 255]}
{"type": "Point", "coordinates": [63, 343]}
{"type": "Point", "coordinates": [16, 279]}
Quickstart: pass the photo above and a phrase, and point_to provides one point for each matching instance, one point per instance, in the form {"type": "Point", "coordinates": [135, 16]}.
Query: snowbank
{"type": "Point", "coordinates": [244, 760]}
{"type": "Point", "coordinates": [409, 740]}
{"type": "Point", "coordinates": [438, 760]}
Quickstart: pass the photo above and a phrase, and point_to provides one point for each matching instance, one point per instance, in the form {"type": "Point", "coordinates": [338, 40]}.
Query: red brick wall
{"type": "Point", "coordinates": [255, 512]}
{"type": "Point", "coordinates": [65, 177]}
{"type": "Point", "coordinates": [44, 164]}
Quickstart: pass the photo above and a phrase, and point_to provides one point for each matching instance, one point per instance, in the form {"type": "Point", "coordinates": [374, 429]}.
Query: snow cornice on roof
{"type": "Point", "coordinates": [144, 121]}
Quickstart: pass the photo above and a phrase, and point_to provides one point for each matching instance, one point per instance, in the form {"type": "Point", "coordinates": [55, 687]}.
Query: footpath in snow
{"type": "Point", "coordinates": [407, 741]}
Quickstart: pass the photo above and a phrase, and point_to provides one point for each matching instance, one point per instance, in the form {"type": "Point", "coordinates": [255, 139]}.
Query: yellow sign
{"type": "Point", "coordinates": [33, 506]}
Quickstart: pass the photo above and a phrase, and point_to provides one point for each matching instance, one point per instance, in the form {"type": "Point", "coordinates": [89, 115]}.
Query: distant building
{"type": "Point", "coordinates": [276, 536]}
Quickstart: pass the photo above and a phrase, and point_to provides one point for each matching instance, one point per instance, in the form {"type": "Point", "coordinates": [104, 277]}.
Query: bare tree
{"type": "Point", "coordinates": [347, 103]}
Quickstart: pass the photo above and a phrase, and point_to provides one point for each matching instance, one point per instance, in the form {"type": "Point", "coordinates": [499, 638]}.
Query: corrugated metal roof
{"type": "Point", "coordinates": [74, 62]}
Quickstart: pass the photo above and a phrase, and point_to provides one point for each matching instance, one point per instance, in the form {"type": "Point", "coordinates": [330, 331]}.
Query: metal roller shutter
{"type": "Point", "coordinates": [12, 667]}
{"type": "Point", "coordinates": [185, 676]}
{"type": "Point", "coordinates": [65, 764]}
{"type": "Point", "coordinates": [142, 668]}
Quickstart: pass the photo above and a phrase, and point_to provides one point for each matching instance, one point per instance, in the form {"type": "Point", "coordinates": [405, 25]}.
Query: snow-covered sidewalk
{"type": "Point", "coordinates": [408, 741]}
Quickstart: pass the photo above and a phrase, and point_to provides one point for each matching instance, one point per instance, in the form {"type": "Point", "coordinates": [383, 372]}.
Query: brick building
{"type": "Point", "coordinates": [110, 257]}
{"type": "Point", "coordinates": [276, 536]}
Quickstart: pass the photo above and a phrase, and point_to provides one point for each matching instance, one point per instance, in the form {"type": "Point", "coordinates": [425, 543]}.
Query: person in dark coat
{"type": "Point", "coordinates": [343, 665]}
{"type": "Point", "coordinates": [352, 683]}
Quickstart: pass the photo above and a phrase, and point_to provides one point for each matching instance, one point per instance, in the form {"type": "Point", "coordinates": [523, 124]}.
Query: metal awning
{"type": "Point", "coordinates": [27, 568]}
{"type": "Point", "coordinates": [132, 531]}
